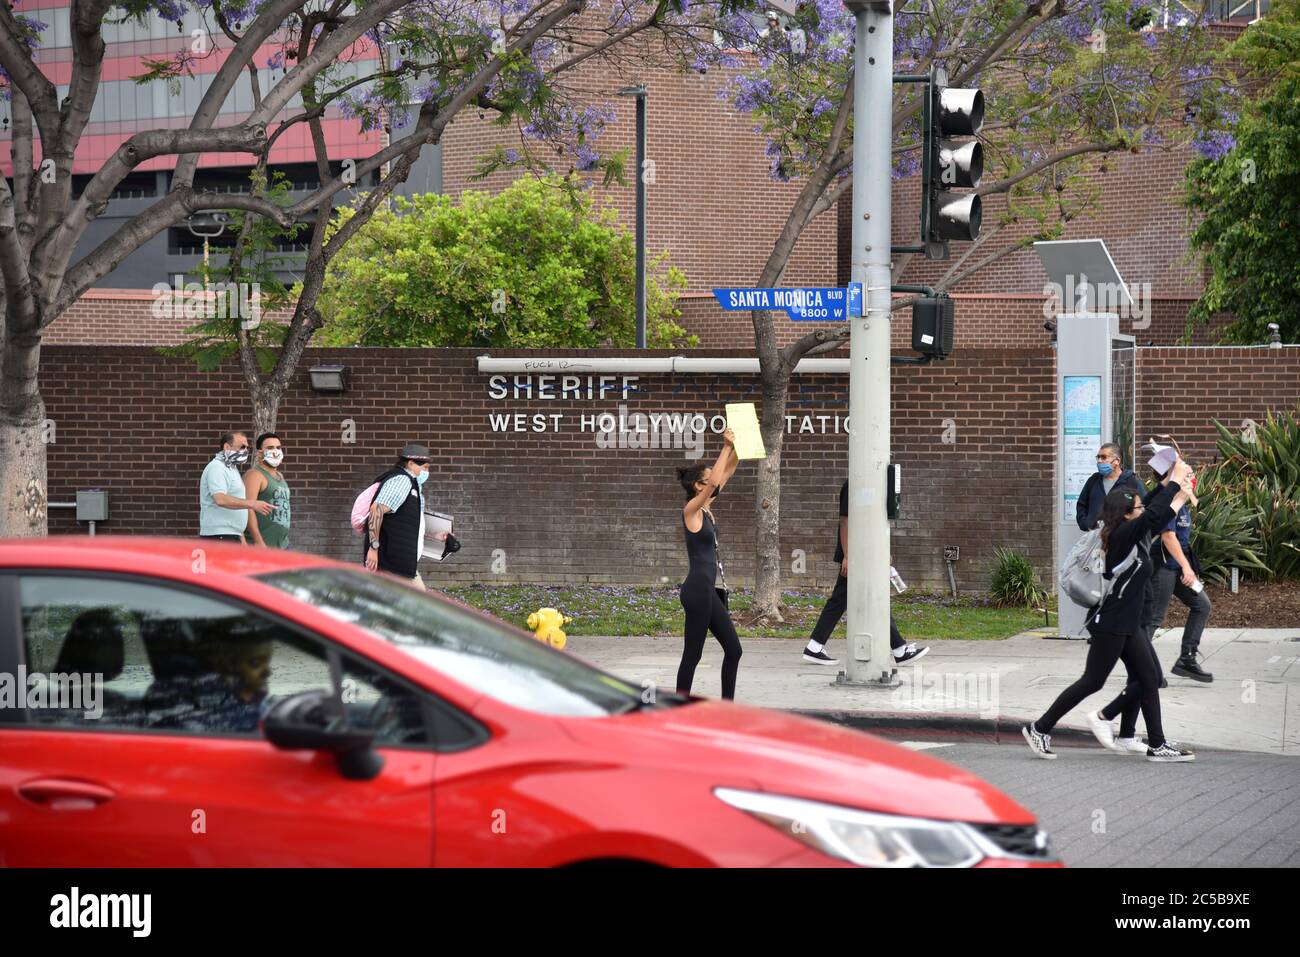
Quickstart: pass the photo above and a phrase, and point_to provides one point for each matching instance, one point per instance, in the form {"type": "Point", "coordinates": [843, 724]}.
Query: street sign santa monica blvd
{"type": "Point", "coordinates": [815, 304]}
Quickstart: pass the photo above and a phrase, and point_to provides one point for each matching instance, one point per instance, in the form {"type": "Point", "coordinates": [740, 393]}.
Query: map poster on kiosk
{"type": "Point", "coordinates": [1081, 400]}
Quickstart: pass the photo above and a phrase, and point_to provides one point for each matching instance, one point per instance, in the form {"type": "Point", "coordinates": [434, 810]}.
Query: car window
{"type": "Point", "coordinates": [375, 702]}
{"type": "Point", "coordinates": [110, 653]}
{"type": "Point", "coordinates": [473, 650]}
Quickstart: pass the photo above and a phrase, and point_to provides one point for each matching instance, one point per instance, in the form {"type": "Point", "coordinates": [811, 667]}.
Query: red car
{"type": "Point", "coordinates": [264, 708]}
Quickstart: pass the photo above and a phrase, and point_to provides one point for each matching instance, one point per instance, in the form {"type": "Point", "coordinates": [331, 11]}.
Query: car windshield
{"type": "Point", "coordinates": [475, 651]}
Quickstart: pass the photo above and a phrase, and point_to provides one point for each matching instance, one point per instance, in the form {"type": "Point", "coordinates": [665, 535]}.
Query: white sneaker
{"type": "Point", "coordinates": [1101, 730]}
{"type": "Point", "coordinates": [910, 653]}
{"type": "Point", "coordinates": [1133, 745]}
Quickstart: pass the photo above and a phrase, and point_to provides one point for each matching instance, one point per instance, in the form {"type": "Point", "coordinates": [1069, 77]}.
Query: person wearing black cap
{"type": "Point", "coordinates": [395, 528]}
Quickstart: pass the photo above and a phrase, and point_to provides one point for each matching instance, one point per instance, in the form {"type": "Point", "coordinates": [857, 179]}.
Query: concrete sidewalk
{"type": "Point", "coordinates": [992, 687]}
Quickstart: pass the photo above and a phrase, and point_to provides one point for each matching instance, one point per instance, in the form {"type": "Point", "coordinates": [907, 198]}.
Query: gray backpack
{"type": "Point", "coordinates": [1081, 573]}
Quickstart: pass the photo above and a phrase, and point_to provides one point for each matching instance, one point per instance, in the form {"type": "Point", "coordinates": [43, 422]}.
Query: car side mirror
{"type": "Point", "coordinates": [309, 721]}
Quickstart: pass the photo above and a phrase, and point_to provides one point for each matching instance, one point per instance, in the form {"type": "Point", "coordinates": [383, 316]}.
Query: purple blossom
{"type": "Point", "coordinates": [586, 157]}
{"type": "Point", "coordinates": [169, 10]}
{"type": "Point", "coordinates": [1214, 144]}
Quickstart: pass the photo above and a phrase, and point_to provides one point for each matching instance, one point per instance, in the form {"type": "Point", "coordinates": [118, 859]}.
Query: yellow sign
{"type": "Point", "coordinates": [742, 419]}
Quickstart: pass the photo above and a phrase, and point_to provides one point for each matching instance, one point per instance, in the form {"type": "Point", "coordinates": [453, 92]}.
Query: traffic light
{"type": "Point", "coordinates": [949, 164]}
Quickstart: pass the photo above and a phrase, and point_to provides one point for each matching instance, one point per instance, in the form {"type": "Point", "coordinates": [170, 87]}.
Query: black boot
{"type": "Point", "coordinates": [1186, 667]}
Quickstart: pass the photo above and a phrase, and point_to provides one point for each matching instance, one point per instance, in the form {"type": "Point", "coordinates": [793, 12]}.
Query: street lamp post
{"type": "Point", "coordinates": [207, 226]}
{"type": "Point", "coordinates": [869, 661]}
{"type": "Point", "coordinates": [640, 93]}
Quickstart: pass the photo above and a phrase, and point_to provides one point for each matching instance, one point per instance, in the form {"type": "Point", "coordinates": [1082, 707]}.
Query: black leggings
{"type": "Point", "coordinates": [1129, 702]}
{"type": "Point", "coordinates": [705, 612]}
{"type": "Point", "coordinates": [1106, 649]}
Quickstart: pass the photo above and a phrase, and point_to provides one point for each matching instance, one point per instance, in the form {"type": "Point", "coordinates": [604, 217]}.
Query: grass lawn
{"type": "Point", "coordinates": [630, 611]}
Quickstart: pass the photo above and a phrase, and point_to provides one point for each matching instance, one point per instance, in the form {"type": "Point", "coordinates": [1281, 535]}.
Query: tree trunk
{"type": "Point", "coordinates": [767, 499]}
{"type": "Point", "coordinates": [266, 407]}
{"type": "Point", "coordinates": [24, 432]}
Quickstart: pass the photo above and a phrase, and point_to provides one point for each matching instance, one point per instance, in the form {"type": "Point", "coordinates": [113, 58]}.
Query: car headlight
{"type": "Point", "coordinates": [864, 837]}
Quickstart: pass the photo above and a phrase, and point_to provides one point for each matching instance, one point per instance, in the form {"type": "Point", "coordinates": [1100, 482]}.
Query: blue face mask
{"type": "Point", "coordinates": [1104, 468]}
{"type": "Point", "coordinates": [423, 477]}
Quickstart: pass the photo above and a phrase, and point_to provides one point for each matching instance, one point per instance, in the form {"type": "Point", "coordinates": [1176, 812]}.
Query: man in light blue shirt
{"type": "Point", "coordinates": [223, 509]}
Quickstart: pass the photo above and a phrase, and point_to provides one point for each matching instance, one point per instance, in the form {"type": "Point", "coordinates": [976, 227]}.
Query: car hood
{"type": "Point", "coordinates": [800, 757]}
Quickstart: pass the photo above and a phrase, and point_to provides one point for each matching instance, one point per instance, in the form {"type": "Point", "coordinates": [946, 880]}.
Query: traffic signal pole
{"type": "Point", "coordinates": [869, 661]}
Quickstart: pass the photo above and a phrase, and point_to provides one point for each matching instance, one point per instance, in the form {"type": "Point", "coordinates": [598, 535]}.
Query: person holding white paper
{"type": "Point", "coordinates": [704, 602]}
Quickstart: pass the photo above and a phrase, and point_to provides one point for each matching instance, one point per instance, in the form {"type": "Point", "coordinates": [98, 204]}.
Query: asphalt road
{"type": "Point", "coordinates": [1102, 809]}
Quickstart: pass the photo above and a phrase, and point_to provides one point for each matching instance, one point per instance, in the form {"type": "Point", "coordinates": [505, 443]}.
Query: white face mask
{"type": "Point", "coordinates": [274, 457]}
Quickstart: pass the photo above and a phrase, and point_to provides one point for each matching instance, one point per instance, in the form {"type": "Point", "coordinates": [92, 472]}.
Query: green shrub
{"type": "Point", "coordinates": [1015, 580]}
{"type": "Point", "coordinates": [1249, 511]}
{"type": "Point", "coordinates": [531, 266]}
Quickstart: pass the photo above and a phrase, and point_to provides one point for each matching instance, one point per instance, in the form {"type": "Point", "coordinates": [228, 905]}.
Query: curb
{"type": "Point", "coordinates": [1001, 729]}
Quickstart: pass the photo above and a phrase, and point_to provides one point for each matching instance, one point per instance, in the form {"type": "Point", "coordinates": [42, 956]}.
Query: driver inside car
{"type": "Point", "coordinates": [229, 696]}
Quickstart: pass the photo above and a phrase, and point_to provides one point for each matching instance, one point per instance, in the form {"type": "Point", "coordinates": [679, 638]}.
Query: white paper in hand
{"type": "Point", "coordinates": [742, 419]}
{"type": "Point", "coordinates": [1164, 458]}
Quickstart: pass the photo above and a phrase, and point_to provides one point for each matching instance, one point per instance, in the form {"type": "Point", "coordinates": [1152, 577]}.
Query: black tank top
{"type": "Point", "coordinates": [701, 548]}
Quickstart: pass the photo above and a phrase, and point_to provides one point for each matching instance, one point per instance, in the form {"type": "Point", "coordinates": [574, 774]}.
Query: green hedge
{"type": "Point", "coordinates": [1249, 511]}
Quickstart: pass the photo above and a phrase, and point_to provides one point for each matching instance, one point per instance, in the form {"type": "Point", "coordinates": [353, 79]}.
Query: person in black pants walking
{"type": "Point", "coordinates": [1116, 626]}
{"type": "Point", "coordinates": [815, 652]}
{"type": "Point", "coordinates": [704, 602]}
{"type": "Point", "coordinates": [1171, 555]}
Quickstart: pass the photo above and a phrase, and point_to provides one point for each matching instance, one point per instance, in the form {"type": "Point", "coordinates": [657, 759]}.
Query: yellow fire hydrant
{"type": "Point", "coordinates": [547, 624]}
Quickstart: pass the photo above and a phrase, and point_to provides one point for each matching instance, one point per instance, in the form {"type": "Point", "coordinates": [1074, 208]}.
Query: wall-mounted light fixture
{"type": "Point", "coordinates": [330, 378]}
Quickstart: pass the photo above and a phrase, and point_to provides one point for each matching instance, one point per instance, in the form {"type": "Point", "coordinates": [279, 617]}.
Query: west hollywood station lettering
{"type": "Point", "coordinates": [621, 419]}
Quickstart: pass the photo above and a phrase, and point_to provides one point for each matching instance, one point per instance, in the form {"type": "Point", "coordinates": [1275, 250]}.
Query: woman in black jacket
{"type": "Point", "coordinates": [1116, 627]}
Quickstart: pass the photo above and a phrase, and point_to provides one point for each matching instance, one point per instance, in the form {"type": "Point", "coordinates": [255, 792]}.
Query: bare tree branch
{"type": "Point", "coordinates": [987, 260]}
{"type": "Point", "coordinates": [823, 340]}
{"type": "Point", "coordinates": [607, 42]}
{"type": "Point", "coordinates": [1003, 185]}
{"type": "Point", "coordinates": [42, 96]}
{"type": "Point", "coordinates": [327, 50]}
{"type": "Point", "coordinates": [20, 151]}
{"type": "Point", "coordinates": [830, 345]}
{"type": "Point", "coordinates": [430, 125]}
{"type": "Point", "coordinates": [1016, 31]}
{"type": "Point", "coordinates": [139, 148]}
{"type": "Point", "coordinates": [168, 211]}
{"type": "Point", "coordinates": [947, 281]}
{"type": "Point", "coordinates": [258, 32]}
{"type": "Point", "coordinates": [20, 303]}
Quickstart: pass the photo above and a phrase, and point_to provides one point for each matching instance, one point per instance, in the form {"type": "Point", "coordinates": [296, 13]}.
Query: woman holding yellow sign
{"type": "Point", "coordinates": [704, 602]}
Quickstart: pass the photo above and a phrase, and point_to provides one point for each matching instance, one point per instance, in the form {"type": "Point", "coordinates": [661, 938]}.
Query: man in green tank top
{"type": "Point", "coordinates": [265, 483]}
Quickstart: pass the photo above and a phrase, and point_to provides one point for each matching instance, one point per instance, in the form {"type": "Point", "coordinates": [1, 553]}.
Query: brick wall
{"type": "Point", "coordinates": [143, 426]}
{"type": "Point", "coordinates": [124, 317]}
{"type": "Point", "coordinates": [121, 317]}
{"type": "Point", "coordinates": [1181, 390]}
{"type": "Point", "coordinates": [972, 434]}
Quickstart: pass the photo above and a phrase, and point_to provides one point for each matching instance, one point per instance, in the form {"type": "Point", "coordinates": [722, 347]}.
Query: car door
{"type": "Point", "coordinates": [152, 755]}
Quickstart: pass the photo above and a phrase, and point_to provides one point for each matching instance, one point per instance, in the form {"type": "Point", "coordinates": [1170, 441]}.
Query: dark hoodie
{"type": "Point", "coordinates": [1088, 509]}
